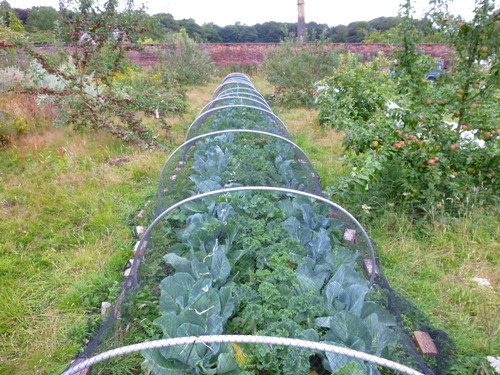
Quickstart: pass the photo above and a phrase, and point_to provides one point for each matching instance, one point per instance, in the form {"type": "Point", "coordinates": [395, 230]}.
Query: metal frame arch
{"type": "Point", "coordinates": [243, 93]}
{"type": "Point", "coordinates": [242, 339]}
{"type": "Point", "coordinates": [237, 82]}
{"type": "Point", "coordinates": [157, 219]}
{"type": "Point", "coordinates": [207, 114]}
{"type": "Point", "coordinates": [236, 75]}
{"type": "Point", "coordinates": [206, 135]}
{"type": "Point", "coordinates": [220, 99]}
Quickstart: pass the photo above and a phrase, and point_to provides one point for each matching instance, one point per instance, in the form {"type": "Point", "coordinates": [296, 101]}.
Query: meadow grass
{"type": "Point", "coordinates": [66, 203]}
{"type": "Point", "coordinates": [69, 202]}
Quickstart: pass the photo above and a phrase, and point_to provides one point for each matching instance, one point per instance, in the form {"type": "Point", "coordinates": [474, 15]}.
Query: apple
{"type": "Point", "coordinates": [419, 142]}
{"type": "Point", "coordinates": [465, 127]}
{"type": "Point", "coordinates": [429, 101]}
{"type": "Point", "coordinates": [497, 131]}
{"type": "Point", "coordinates": [411, 136]}
{"type": "Point", "coordinates": [375, 144]}
{"type": "Point", "coordinates": [453, 146]}
{"type": "Point", "coordinates": [431, 161]}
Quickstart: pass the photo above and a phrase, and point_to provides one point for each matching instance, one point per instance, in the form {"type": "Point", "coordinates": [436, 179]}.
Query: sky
{"type": "Point", "coordinates": [228, 12]}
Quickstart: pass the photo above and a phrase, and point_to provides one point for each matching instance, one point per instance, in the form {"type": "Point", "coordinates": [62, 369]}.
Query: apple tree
{"type": "Point", "coordinates": [438, 146]}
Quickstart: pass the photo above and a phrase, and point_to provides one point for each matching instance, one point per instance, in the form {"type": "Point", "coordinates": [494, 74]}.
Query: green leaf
{"type": "Point", "coordinates": [310, 277]}
{"type": "Point", "coordinates": [220, 265]}
{"type": "Point", "coordinates": [350, 330]}
{"type": "Point", "coordinates": [351, 368]}
{"type": "Point", "coordinates": [195, 206]}
{"type": "Point", "coordinates": [227, 300]}
{"type": "Point", "coordinates": [319, 246]}
{"type": "Point", "coordinates": [199, 269]}
{"type": "Point", "coordinates": [168, 324]}
{"type": "Point", "coordinates": [323, 321]}
{"type": "Point", "coordinates": [303, 235]}
{"type": "Point", "coordinates": [188, 329]}
{"type": "Point", "coordinates": [347, 276]}
{"type": "Point", "coordinates": [204, 299]}
{"type": "Point", "coordinates": [226, 364]}
{"type": "Point", "coordinates": [162, 366]}
{"type": "Point", "coordinates": [224, 211]}
{"type": "Point", "coordinates": [382, 336]}
{"type": "Point", "coordinates": [175, 287]}
{"type": "Point", "coordinates": [357, 295]}
{"type": "Point", "coordinates": [384, 316]}
{"type": "Point", "coordinates": [336, 361]}
{"type": "Point", "coordinates": [336, 297]}
{"type": "Point", "coordinates": [310, 334]}
{"type": "Point", "coordinates": [215, 325]}
{"type": "Point", "coordinates": [179, 263]}
{"type": "Point", "coordinates": [345, 256]}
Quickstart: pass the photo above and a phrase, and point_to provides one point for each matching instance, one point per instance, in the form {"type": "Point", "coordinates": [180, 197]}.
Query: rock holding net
{"type": "Point", "coordinates": [246, 267]}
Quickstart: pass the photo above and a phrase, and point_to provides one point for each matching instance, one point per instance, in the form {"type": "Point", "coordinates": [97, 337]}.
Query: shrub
{"type": "Point", "coordinates": [354, 93]}
{"type": "Point", "coordinates": [83, 88]}
{"type": "Point", "coordinates": [185, 61]}
{"type": "Point", "coordinates": [20, 114]}
{"type": "Point", "coordinates": [413, 154]}
{"type": "Point", "coordinates": [293, 69]}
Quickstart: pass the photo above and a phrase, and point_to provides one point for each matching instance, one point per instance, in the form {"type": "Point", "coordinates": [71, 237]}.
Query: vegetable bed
{"type": "Point", "coordinates": [244, 243]}
{"type": "Point", "coordinates": [272, 264]}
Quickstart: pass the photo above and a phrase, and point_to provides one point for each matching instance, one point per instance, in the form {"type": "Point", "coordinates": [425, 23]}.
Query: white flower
{"type": "Point", "coordinates": [495, 363]}
{"type": "Point", "coordinates": [366, 208]}
{"type": "Point", "coordinates": [482, 282]}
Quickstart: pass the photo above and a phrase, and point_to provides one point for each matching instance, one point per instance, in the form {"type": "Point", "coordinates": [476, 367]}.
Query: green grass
{"type": "Point", "coordinates": [68, 206]}
{"type": "Point", "coordinates": [69, 202]}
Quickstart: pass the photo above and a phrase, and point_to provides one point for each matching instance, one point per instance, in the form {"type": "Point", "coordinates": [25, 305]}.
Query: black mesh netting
{"type": "Point", "coordinates": [246, 268]}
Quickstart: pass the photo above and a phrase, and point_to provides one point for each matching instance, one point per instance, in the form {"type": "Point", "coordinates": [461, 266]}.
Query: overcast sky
{"type": "Point", "coordinates": [228, 12]}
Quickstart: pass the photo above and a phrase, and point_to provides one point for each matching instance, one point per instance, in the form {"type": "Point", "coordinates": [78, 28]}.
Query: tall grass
{"type": "Point", "coordinates": [67, 208]}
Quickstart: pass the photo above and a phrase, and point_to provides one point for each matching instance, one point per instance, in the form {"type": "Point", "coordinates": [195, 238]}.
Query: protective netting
{"type": "Point", "coordinates": [233, 158]}
{"type": "Point", "coordinates": [246, 268]}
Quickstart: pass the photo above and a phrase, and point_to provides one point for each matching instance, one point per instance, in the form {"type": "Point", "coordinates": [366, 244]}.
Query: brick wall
{"type": "Point", "coordinates": [254, 53]}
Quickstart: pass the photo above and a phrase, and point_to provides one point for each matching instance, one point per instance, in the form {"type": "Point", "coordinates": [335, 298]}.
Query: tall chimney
{"type": "Point", "coordinates": [301, 24]}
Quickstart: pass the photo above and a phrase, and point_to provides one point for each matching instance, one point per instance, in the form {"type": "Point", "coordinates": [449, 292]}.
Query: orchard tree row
{"type": "Point", "coordinates": [423, 144]}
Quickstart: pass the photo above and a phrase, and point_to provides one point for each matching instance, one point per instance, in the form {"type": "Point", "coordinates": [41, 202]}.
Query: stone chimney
{"type": "Point", "coordinates": [301, 24]}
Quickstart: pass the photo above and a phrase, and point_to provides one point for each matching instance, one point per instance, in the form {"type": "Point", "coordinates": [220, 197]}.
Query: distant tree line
{"type": "Point", "coordinates": [42, 25]}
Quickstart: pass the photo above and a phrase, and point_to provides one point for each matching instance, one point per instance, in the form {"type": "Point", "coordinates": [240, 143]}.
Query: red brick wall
{"type": "Point", "coordinates": [254, 53]}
